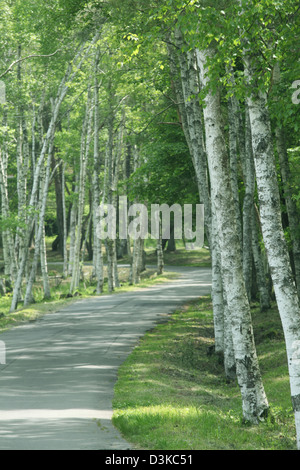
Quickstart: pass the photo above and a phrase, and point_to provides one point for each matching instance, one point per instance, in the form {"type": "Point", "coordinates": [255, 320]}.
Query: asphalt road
{"type": "Point", "coordinates": [56, 387]}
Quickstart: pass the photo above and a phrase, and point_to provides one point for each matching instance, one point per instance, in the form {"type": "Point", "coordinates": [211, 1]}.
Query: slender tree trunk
{"type": "Point", "coordinates": [194, 131]}
{"type": "Point", "coordinates": [73, 222]}
{"type": "Point", "coordinates": [72, 70]}
{"type": "Point", "coordinates": [186, 86]}
{"type": "Point", "coordinates": [58, 244]}
{"type": "Point", "coordinates": [110, 244]}
{"type": "Point", "coordinates": [23, 159]}
{"type": "Point", "coordinates": [249, 181]}
{"type": "Point", "coordinates": [254, 399]}
{"type": "Point", "coordinates": [5, 213]}
{"type": "Point", "coordinates": [65, 249]}
{"type": "Point", "coordinates": [217, 291]}
{"type": "Point", "coordinates": [97, 252]}
{"type": "Point", "coordinates": [85, 146]}
{"type": "Point", "coordinates": [43, 250]}
{"type": "Point", "coordinates": [160, 252]}
{"type": "Point", "coordinates": [44, 267]}
{"type": "Point", "coordinates": [292, 211]}
{"type": "Point", "coordinates": [136, 259]}
{"type": "Point", "coordinates": [10, 258]}
{"type": "Point", "coordinates": [116, 170]}
{"type": "Point", "coordinates": [233, 154]}
{"type": "Point", "coordinates": [261, 275]}
{"type": "Point", "coordinates": [229, 355]}
{"type": "Point", "coordinates": [39, 242]}
{"type": "Point", "coordinates": [275, 243]}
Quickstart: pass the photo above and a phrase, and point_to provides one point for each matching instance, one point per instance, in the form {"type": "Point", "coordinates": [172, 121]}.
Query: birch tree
{"type": "Point", "coordinates": [86, 138]}
{"type": "Point", "coordinates": [69, 76]}
{"type": "Point", "coordinates": [275, 243]}
{"type": "Point", "coordinates": [292, 211]}
{"type": "Point", "coordinates": [255, 404]}
{"type": "Point", "coordinates": [270, 215]}
{"type": "Point", "coordinates": [97, 252]}
{"type": "Point", "coordinates": [186, 91]}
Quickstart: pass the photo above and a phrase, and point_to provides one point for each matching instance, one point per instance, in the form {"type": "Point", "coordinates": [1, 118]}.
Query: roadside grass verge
{"type": "Point", "coordinates": [59, 295]}
{"type": "Point", "coordinates": [172, 395]}
{"type": "Point", "coordinates": [180, 257]}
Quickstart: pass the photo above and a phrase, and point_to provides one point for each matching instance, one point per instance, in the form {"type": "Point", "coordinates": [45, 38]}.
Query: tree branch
{"type": "Point", "coordinates": [26, 58]}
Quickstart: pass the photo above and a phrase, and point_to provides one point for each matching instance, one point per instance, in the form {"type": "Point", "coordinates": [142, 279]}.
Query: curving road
{"type": "Point", "coordinates": [56, 388]}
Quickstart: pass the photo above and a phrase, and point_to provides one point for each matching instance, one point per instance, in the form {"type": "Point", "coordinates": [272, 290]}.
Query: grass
{"type": "Point", "coordinates": [181, 257]}
{"type": "Point", "coordinates": [172, 395]}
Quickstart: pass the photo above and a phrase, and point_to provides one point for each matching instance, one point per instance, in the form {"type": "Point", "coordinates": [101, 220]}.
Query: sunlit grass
{"type": "Point", "coordinates": [172, 395]}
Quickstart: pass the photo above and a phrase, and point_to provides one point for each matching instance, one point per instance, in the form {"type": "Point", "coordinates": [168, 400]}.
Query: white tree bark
{"type": "Point", "coordinates": [186, 89]}
{"type": "Point", "coordinates": [5, 213]}
{"type": "Point", "coordinates": [136, 259]}
{"type": "Point", "coordinates": [258, 258]}
{"type": "Point", "coordinates": [291, 207]}
{"type": "Point", "coordinates": [192, 110]}
{"type": "Point", "coordinates": [10, 258]}
{"type": "Point", "coordinates": [44, 263]}
{"type": "Point", "coordinates": [273, 235]}
{"type": "Point", "coordinates": [97, 252]}
{"type": "Point", "coordinates": [160, 252]}
{"type": "Point", "coordinates": [40, 241]}
{"type": "Point", "coordinates": [254, 399]}
{"type": "Point", "coordinates": [110, 244]}
{"type": "Point", "coordinates": [217, 292]}
{"type": "Point", "coordinates": [65, 248]}
{"type": "Point", "coordinates": [292, 211]}
{"type": "Point", "coordinates": [71, 72]}
{"type": "Point", "coordinates": [248, 204]}
{"type": "Point", "coordinates": [44, 267]}
{"type": "Point", "coordinates": [85, 147]}
{"type": "Point", "coordinates": [233, 154]}
{"type": "Point", "coordinates": [73, 222]}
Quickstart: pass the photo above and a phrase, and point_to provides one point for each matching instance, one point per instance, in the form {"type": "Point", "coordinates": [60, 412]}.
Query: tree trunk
{"type": "Point", "coordinates": [233, 155]}
{"type": "Point", "coordinates": [291, 207]}
{"type": "Point", "coordinates": [186, 86]}
{"type": "Point", "coordinates": [248, 204]}
{"type": "Point", "coordinates": [85, 146]}
{"type": "Point", "coordinates": [10, 259]}
{"type": "Point", "coordinates": [73, 222]}
{"type": "Point", "coordinates": [275, 243]}
{"type": "Point", "coordinates": [160, 253]}
{"type": "Point", "coordinates": [97, 252]}
{"type": "Point", "coordinates": [217, 290]}
{"type": "Point", "coordinates": [71, 72]}
{"type": "Point", "coordinates": [65, 249]}
{"type": "Point", "coordinates": [39, 242]}
{"type": "Point", "coordinates": [254, 399]}
{"type": "Point", "coordinates": [44, 267]}
{"type": "Point", "coordinates": [261, 275]}
{"type": "Point", "coordinates": [193, 113]}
